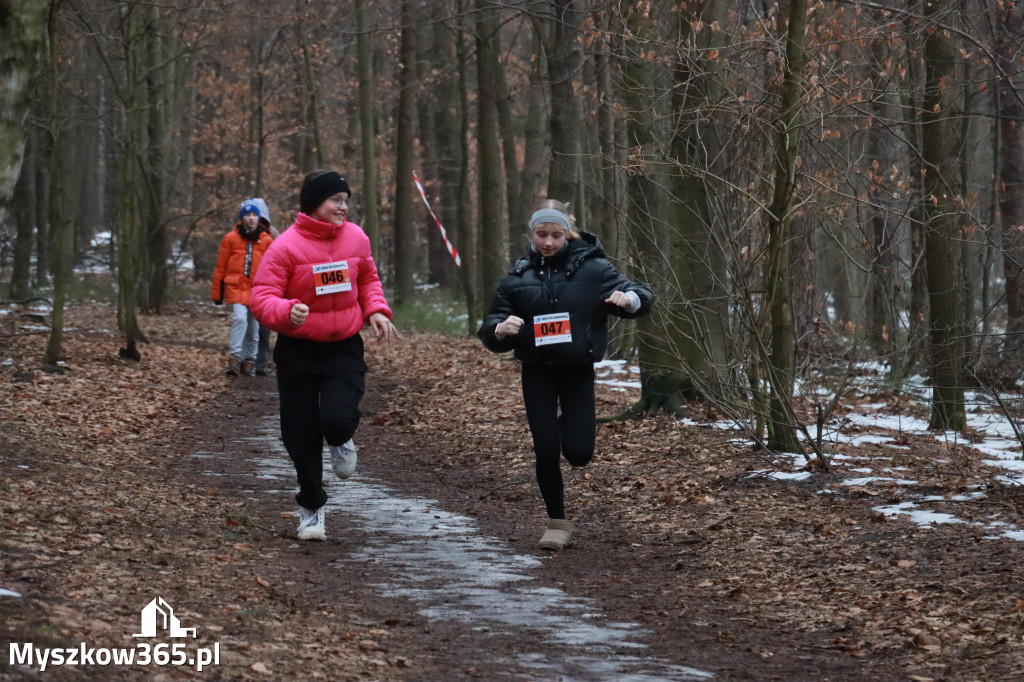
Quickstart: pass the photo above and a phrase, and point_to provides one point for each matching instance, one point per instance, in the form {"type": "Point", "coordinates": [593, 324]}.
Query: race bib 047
{"type": "Point", "coordinates": [553, 328]}
{"type": "Point", "coordinates": [331, 278]}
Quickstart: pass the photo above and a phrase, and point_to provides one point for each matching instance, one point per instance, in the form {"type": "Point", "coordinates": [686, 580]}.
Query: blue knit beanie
{"type": "Point", "coordinates": [248, 206]}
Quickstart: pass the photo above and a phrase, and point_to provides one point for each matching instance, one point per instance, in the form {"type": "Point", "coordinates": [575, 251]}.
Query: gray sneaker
{"type": "Point", "coordinates": [343, 459]}
{"type": "Point", "coordinates": [311, 524]}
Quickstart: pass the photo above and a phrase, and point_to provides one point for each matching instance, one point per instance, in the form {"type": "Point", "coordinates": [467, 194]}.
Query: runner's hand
{"type": "Point", "coordinates": [382, 327]}
{"type": "Point", "coordinates": [509, 327]}
{"type": "Point", "coordinates": [298, 314]}
{"type": "Point", "coordinates": [618, 298]}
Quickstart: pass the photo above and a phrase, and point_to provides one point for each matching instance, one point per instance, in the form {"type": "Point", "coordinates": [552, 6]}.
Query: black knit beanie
{"type": "Point", "coordinates": [321, 188]}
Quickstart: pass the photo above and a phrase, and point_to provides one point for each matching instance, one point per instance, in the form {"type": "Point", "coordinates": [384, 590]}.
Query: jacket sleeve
{"type": "Point", "coordinates": [220, 269]}
{"type": "Point", "coordinates": [501, 308]}
{"type": "Point", "coordinates": [613, 280]}
{"type": "Point", "coordinates": [371, 292]}
{"type": "Point", "coordinates": [266, 301]}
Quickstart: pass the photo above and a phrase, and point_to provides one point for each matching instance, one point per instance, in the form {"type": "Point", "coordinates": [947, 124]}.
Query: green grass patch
{"type": "Point", "coordinates": [433, 310]}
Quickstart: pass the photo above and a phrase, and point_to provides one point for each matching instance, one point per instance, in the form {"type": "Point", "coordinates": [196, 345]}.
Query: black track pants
{"type": "Point", "coordinates": [320, 386]}
{"type": "Point", "coordinates": [545, 387]}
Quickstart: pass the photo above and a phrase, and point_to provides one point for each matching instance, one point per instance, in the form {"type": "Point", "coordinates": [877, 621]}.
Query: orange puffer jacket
{"type": "Point", "coordinates": [237, 262]}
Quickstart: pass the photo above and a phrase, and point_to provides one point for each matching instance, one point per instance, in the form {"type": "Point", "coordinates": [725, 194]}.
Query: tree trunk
{"type": "Point", "coordinates": [492, 214]}
{"type": "Point", "coordinates": [22, 33]}
{"type": "Point", "coordinates": [406, 237]}
{"type": "Point", "coordinates": [262, 63]}
{"type": "Point", "coordinates": [518, 212]}
{"type": "Point", "coordinates": [449, 153]}
{"type": "Point", "coordinates": [880, 305]}
{"type": "Point", "coordinates": [310, 154]}
{"type": "Point", "coordinates": [608, 213]}
{"type": "Point", "coordinates": [565, 181]}
{"type": "Point", "coordinates": [43, 244]}
{"type": "Point", "coordinates": [941, 251]}
{"type": "Point", "coordinates": [433, 55]}
{"type": "Point", "coordinates": [781, 361]}
{"type": "Point", "coordinates": [92, 165]}
{"type": "Point", "coordinates": [128, 243]}
{"type": "Point", "coordinates": [371, 215]}
{"type": "Point", "coordinates": [697, 296]}
{"type": "Point", "coordinates": [159, 99]}
{"type": "Point", "coordinates": [661, 377]}
{"type": "Point", "coordinates": [25, 221]}
{"type": "Point", "coordinates": [535, 142]}
{"type": "Point", "coordinates": [917, 337]}
{"type": "Point", "coordinates": [1011, 177]}
{"type": "Point", "coordinates": [464, 210]}
{"type": "Point", "coordinates": [60, 219]}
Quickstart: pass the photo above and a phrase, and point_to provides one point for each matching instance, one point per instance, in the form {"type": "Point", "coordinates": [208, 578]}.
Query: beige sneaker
{"type": "Point", "coordinates": [557, 535]}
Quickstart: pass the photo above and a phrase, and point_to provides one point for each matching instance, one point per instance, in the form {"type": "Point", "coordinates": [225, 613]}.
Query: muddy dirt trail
{"type": "Point", "coordinates": [444, 558]}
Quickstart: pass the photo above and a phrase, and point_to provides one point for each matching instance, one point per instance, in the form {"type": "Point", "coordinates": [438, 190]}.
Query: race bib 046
{"type": "Point", "coordinates": [553, 328]}
{"type": "Point", "coordinates": [331, 278]}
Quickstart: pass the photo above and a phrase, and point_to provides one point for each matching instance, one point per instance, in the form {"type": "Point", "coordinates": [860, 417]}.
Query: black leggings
{"type": "Point", "coordinates": [320, 386]}
{"type": "Point", "coordinates": [545, 387]}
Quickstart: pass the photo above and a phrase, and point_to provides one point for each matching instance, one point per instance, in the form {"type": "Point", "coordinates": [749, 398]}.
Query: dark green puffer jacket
{"type": "Point", "coordinates": [576, 280]}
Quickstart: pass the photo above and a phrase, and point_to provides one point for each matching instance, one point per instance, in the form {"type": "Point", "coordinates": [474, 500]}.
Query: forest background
{"type": "Point", "coordinates": [810, 187]}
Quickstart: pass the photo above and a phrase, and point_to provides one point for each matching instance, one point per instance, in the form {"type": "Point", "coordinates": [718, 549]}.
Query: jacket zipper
{"type": "Point", "coordinates": [549, 294]}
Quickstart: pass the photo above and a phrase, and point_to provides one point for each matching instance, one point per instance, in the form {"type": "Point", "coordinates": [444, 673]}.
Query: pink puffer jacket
{"type": "Point", "coordinates": [311, 256]}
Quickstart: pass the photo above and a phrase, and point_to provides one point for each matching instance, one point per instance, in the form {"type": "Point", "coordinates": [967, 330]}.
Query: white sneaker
{"type": "Point", "coordinates": [311, 524]}
{"type": "Point", "coordinates": [343, 459]}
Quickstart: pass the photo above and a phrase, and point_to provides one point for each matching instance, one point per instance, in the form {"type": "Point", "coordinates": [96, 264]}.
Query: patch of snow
{"type": "Point", "coordinates": [921, 517]}
{"type": "Point", "coordinates": [875, 479]}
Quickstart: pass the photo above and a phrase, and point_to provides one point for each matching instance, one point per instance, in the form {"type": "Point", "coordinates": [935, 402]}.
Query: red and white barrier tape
{"type": "Point", "coordinates": [444, 235]}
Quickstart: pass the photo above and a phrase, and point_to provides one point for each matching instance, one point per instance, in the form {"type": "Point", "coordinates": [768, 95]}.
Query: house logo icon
{"type": "Point", "coordinates": [166, 620]}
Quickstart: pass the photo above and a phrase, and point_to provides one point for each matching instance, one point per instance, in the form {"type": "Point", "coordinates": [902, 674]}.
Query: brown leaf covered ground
{"type": "Point", "coordinates": [748, 577]}
{"type": "Point", "coordinates": [101, 512]}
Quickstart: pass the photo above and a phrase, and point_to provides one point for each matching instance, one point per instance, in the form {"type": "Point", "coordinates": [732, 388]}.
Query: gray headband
{"type": "Point", "coordinates": [549, 215]}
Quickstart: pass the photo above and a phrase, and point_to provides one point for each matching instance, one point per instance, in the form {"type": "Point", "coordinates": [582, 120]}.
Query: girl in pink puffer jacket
{"type": "Point", "coordinates": [316, 287]}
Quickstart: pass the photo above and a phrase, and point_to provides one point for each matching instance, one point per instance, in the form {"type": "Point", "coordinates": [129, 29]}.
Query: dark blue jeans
{"type": "Point", "coordinates": [545, 388]}
{"type": "Point", "coordinates": [262, 349]}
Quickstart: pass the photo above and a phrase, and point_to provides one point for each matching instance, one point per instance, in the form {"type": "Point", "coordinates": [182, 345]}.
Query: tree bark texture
{"type": "Point", "coordinates": [492, 222]}
{"type": "Point", "coordinates": [24, 214]}
{"type": "Point", "coordinates": [662, 380]}
{"type": "Point", "coordinates": [698, 300]}
{"type": "Point", "coordinates": [471, 276]}
{"type": "Point", "coordinates": [371, 214]}
{"type": "Point", "coordinates": [941, 249]}
{"type": "Point", "coordinates": [781, 361]}
{"type": "Point", "coordinates": [449, 158]}
{"type": "Point", "coordinates": [128, 229]}
{"type": "Point", "coordinates": [60, 219]}
{"type": "Point", "coordinates": [406, 236]}
{"type": "Point", "coordinates": [565, 60]}
{"type": "Point", "coordinates": [536, 134]}
{"type": "Point", "coordinates": [1011, 173]}
{"type": "Point", "coordinates": [22, 36]}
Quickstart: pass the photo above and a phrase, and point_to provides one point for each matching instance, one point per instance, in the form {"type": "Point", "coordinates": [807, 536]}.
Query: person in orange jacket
{"type": "Point", "coordinates": [263, 350]}
{"type": "Point", "coordinates": [241, 251]}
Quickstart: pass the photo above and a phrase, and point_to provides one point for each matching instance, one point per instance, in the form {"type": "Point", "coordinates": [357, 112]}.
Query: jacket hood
{"type": "Point", "coordinates": [571, 256]}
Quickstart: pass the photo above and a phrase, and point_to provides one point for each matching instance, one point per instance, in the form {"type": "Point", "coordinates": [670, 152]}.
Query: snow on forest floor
{"type": "Point", "coordinates": [990, 432]}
